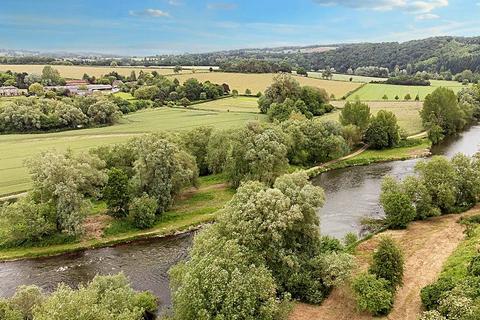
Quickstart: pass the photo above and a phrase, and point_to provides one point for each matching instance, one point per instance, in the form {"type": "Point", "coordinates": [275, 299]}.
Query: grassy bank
{"type": "Point", "coordinates": [456, 265]}
{"type": "Point", "coordinates": [421, 149]}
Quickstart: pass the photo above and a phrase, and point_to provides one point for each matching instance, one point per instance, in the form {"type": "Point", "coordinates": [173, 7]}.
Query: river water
{"type": "Point", "coordinates": [352, 193]}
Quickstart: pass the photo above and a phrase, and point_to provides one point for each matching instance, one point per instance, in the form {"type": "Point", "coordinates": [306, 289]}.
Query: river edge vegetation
{"type": "Point", "coordinates": [150, 198]}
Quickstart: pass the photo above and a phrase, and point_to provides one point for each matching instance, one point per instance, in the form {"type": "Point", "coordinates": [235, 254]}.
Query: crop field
{"type": "Point", "coordinates": [16, 148]}
{"type": "Point", "coordinates": [407, 113]}
{"type": "Point", "coordinates": [237, 104]}
{"type": "Point", "coordinates": [375, 91]}
{"type": "Point", "coordinates": [346, 77]}
{"type": "Point", "coordinates": [76, 72]}
{"type": "Point", "coordinates": [259, 82]}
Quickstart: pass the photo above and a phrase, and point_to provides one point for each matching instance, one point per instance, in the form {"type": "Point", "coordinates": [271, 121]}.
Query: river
{"type": "Point", "coordinates": [352, 193]}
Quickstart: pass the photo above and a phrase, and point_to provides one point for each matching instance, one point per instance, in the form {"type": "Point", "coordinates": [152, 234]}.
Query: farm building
{"type": "Point", "coordinates": [9, 91]}
{"type": "Point", "coordinates": [84, 89]}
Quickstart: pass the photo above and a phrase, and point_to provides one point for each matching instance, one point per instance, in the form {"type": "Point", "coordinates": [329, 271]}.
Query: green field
{"type": "Point", "coordinates": [15, 148]}
{"type": "Point", "coordinates": [346, 77]}
{"type": "Point", "coordinates": [237, 104]}
{"type": "Point", "coordinates": [407, 113]}
{"type": "Point", "coordinates": [375, 91]}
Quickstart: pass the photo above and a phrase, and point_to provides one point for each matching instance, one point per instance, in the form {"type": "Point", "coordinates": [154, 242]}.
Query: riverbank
{"type": "Point", "coordinates": [365, 156]}
{"type": "Point", "coordinates": [194, 208]}
{"type": "Point", "coordinates": [428, 246]}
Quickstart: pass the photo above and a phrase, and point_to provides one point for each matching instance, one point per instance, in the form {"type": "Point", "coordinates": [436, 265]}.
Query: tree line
{"type": "Point", "coordinates": [34, 115]}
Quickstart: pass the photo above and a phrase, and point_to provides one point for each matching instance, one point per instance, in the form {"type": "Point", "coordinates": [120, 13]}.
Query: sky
{"type": "Point", "coordinates": [149, 27]}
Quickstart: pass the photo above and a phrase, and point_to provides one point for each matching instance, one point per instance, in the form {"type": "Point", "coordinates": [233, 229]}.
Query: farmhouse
{"type": "Point", "coordinates": [9, 91]}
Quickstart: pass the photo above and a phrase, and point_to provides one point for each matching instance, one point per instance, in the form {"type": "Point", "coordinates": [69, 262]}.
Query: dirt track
{"type": "Point", "coordinates": [426, 244]}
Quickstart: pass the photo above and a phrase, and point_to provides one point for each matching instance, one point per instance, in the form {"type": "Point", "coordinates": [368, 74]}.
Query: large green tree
{"type": "Point", "coordinates": [355, 113]}
{"type": "Point", "coordinates": [441, 110]}
{"type": "Point", "coordinates": [162, 169]}
{"type": "Point", "coordinates": [383, 130]}
{"type": "Point", "coordinates": [257, 153]}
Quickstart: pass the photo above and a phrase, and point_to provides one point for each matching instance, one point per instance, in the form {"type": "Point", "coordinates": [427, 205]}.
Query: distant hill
{"type": "Point", "coordinates": [434, 54]}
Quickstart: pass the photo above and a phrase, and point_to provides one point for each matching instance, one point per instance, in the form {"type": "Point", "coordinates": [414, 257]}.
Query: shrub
{"type": "Point", "coordinates": [373, 294]}
{"type": "Point", "coordinates": [7, 312]}
{"type": "Point", "coordinates": [388, 262]}
{"type": "Point", "coordinates": [142, 212]}
{"type": "Point", "coordinates": [106, 297]}
{"type": "Point", "coordinates": [456, 306]}
{"type": "Point", "coordinates": [25, 299]}
{"type": "Point", "coordinates": [350, 240]}
{"type": "Point", "coordinates": [432, 315]}
{"type": "Point", "coordinates": [432, 293]}
{"type": "Point", "coordinates": [398, 207]}
{"type": "Point", "coordinates": [474, 266]}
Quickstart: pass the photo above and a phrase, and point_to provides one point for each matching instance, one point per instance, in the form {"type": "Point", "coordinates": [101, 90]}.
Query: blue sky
{"type": "Point", "coordinates": [145, 27]}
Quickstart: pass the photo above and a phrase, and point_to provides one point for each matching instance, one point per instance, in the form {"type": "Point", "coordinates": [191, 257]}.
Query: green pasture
{"type": "Point", "coordinates": [376, 91]}
{"type": "Point", "coordinates": [346, 77]}
{"type": "Point", "coordinates": [233, 104]}
{"type": "Point", "coordinates": [16, 148]}
{"type": "Point", "coordinates": [407, 113]}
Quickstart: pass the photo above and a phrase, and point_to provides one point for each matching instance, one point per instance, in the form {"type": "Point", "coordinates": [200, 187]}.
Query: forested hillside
{"type": "Point", "coordinates": [436, 54]}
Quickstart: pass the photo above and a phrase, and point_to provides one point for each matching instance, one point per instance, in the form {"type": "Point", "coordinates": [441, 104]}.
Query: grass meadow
{"type": "Point", "coordinates": [76, 72]}
{"type": "Point", "coordinates": [259, 82]}
{"type": "Point", "coordinates": [407, 113]}
{"type": "Point", "coordinates": [376, 91]}
{"type": "Point", "coordinates": [16, 148]}
{"type": "Point", "coordinates": [346, 77]}
{"type": "Point", "coordinates": [237, 104]}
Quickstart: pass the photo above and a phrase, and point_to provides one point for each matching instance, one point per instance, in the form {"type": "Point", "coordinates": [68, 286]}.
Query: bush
{"type": "Point", "coordinates": [398, 207]}
{"type": "Point", "coordinates": [474, 266]}
{"type": "Point", "coordinates": [456, 306]}
{"type": "Point", "coordinates": [388, 262]}
{"type": "Point", "coordinates": [25, 299]}
{"type": "Point", "coordinates": [142, 212]}
{"type": "Point", "coordinates": [106, 297]}
{"type": "Point", "coordinates": [432, 294]}
{"type": "Point", "coordinates": [373, 294]}
{"type": "Point", "coordinates": [432, 315]}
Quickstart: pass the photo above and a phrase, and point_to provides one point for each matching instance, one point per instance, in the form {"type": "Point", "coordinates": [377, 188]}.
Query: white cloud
{"type": "Point", "coordinates": [155, 13]}
{"type": "Point", "coordinates": [221, 6]}
{"type": "Point", "coordinates": [427, 16]}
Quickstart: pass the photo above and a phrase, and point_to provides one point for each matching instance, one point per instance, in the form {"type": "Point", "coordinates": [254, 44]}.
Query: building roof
{"type": "Point", "coordinates": [9, 88]}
